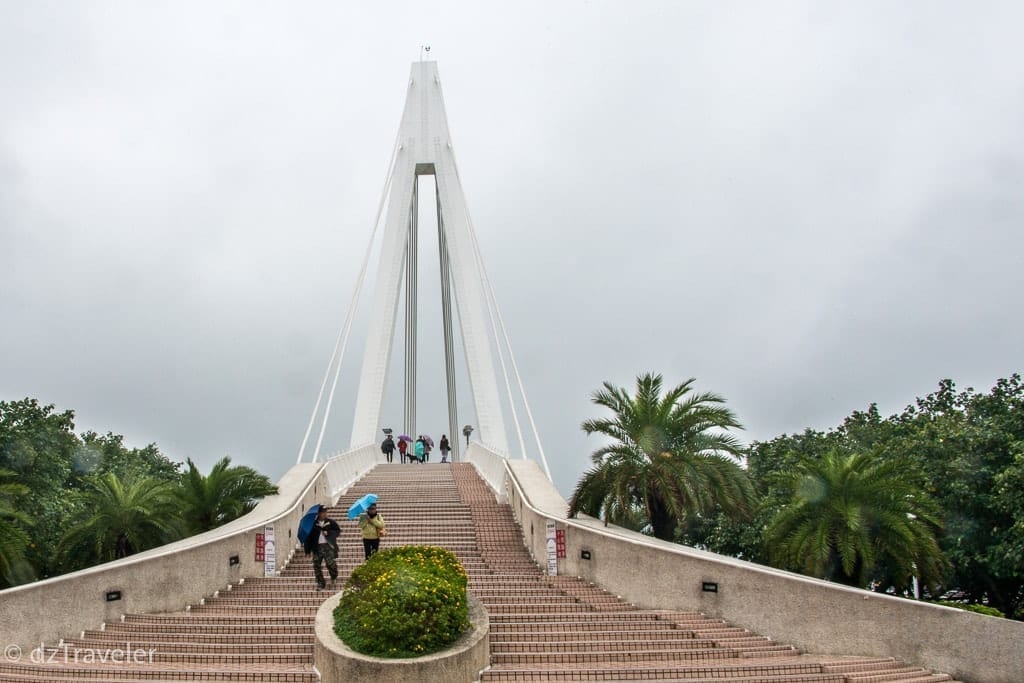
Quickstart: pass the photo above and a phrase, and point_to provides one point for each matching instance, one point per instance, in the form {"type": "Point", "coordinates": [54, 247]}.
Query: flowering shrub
{"type": "Point", "coordinates": [404, 602]}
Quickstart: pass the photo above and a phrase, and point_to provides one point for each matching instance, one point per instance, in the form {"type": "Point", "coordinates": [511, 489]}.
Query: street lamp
{"type": "Point", "coordinates": [467, 430]}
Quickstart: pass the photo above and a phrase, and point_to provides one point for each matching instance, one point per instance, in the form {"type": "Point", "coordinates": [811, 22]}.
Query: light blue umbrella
{"type": "Point", "coordinates": [361, 505]}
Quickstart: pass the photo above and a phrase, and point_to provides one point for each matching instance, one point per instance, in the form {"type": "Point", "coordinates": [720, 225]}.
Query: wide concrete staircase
{"type": "Point", "coordinates": [543, 628]}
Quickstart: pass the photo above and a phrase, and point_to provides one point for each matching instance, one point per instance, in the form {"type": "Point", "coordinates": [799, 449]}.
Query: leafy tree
{"type": "Point", "coordinates": [227, 493]}
{"type": "Point", "coordinates": [669, 457]}
{"type": "Point", "coordinates": [13, 538]}
{"type": "Point", "coordinates": [766, 462]}
{"type": "Point", "coordinates": [101, 454]}
{"type": "Point", "coordinates": [857, 519]}
{"type": "Point", "coordinates": [961, 448]}
{"type": "Point", "coordinates": [117, 518]}
{"type": "Point", "coordinates": [969, 445]}
{"type": "Point", "coordinates": [36, 443]}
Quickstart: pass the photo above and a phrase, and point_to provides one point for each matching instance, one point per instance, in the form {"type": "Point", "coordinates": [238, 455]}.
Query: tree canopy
{"type": "Point", "coordinates": [226, 493]}
{"type": "Point", "coordinates": [69, 501]}
{"type": "Point", "coordinates": [959, 452]}
{"type": "Point", "coordinates": [859, 520]}
{"type": "Point", "coordinates": [667, 458]}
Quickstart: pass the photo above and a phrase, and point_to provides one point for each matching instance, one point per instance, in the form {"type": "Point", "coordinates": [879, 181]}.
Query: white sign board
{"type": "Point", "coordinates": [270, 550]}
{"type": "Point", "coordinates": [552, 549]}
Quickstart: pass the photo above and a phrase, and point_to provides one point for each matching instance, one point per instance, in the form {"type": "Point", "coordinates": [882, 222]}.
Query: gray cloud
{"type": "Point", "coordinates": [807, 207]}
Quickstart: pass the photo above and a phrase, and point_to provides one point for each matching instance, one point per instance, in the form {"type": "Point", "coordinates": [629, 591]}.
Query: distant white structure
{"type": "Point", "coordinates": [424, 147]}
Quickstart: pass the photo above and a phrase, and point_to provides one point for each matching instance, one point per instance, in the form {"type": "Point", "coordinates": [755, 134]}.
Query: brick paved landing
{"type": "Point", "coordinates": [542, 628]}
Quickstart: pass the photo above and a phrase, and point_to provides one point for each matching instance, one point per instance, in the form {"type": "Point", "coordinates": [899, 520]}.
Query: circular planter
{"type": "Point", "coordinates": [463, 661]}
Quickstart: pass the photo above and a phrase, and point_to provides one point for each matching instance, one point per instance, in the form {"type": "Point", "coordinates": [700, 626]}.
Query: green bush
{"type": "Point", "coordinates": [404, 602]}
{"type": "Point", "coordinates": [971, 607]}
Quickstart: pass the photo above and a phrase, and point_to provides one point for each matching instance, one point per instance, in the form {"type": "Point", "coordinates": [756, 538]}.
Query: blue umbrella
{"type": "Point", "coordinates": [360, 506]}
{"type": "Point", "coordinates": [307, 521]}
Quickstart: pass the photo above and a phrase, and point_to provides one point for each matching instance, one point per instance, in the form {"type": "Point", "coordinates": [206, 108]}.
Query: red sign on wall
{"type": "Point", "coordinates": [560, 542]}
{"type": "Point", "coordinates": [260, 548]}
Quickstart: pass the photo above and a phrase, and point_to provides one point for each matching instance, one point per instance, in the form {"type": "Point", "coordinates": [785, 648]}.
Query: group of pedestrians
{"type": "Point", "coordinates": [322, 542]}
{"type": "Point", "coordinates": [419, 452]}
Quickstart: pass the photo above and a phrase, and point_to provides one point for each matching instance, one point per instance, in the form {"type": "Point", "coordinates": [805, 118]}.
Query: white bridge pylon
{"type": "Point", "coordinates": [424, 147]}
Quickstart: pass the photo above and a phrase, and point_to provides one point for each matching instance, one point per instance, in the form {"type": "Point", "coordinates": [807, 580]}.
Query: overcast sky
{"type": "Point", "coordinates": [808, 206]}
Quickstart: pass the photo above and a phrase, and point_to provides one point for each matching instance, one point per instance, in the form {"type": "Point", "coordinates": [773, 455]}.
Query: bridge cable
{"type": "Point", "coordinates": [492, 300]}
{"type": "Point", "coordinates": [342, 340]}
{"type": "Point", "coordinates": [490, 303]}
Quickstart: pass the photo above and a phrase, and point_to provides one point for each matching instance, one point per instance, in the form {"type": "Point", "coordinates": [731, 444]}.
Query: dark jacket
{"type": "Point", "coordinates": [313, 540]}
{"type": "Point", "coordinates": [387, 446]}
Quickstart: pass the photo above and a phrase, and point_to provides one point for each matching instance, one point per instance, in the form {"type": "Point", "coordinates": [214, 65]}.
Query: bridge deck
{"type": "Point", "coordinates": [543, 628]}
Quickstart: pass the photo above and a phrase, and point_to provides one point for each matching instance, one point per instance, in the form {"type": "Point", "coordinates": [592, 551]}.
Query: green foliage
{"type": "Point", "coordinates": [974, 443]}
{"type": "Point", "coordinates": [669, 459]}
{"type": "Point", "coordinates": [972, 607]}
{"type": "Point", "coordinates": [117, 518]}
{"type": "Point", "coordinates": [962, 449]}
{"type": "Point", "coordinates": [101, 454]}
{"type": "Point", "coordinates": [13, 537]}
{"type": "Point", "coordinates": [857, 519]}
{"type": "Point", "coordinates": [36, 443]}
{"type": "Point", "coordinates": [227, 493]}
{"type": "Point", "coordinates": [404, 602]}
{"type": "Point", "coordinates": [67, 502]}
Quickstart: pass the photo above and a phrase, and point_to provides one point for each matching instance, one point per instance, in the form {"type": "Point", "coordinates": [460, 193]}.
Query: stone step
{"type": "Point", "coordinates": [236, 660]}
{"type": "Point", "coordinates": [580, 636]}
{"type": "Point", "coordinates": [636, 653]}
{"type": "Point", "coordinates": [164, 646]}
{"type": "Point", "coordinates": [138, 636]}
{"type": "Point", "coordinates": [556, 645]}
{"type": "Point", "coordinates": [724, 672]}
{"type": "Point", "coordinates": [125, 673]}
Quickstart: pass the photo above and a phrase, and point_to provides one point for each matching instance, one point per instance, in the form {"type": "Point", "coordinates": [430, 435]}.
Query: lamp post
{"type": "Point", "coordinates": [467, 430]}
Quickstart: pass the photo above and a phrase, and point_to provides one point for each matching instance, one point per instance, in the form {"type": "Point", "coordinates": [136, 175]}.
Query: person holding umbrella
{"type": "Point", "coordinates": [371, 524]}
{"type": "Point", "coordinates": [322, 542]}
{"type": "Point", "coordinates": [403, 445]}
{"type": "Point", "coordinates": [388, 448]}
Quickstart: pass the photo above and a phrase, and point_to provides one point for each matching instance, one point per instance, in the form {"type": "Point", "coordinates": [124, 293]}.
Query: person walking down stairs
{"type": "Point", "coordinates": [445, 447]}
{"type": "Point", "coordinates": [322, 542]}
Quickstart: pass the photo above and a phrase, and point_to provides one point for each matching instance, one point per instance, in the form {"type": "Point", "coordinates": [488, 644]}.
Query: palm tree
{"type": "Point", "coordinates": [13, 539]}
{"type": "Point", "coordinates": [117, 518]}
{"type": "Point", "coordinates": [669, 457]}
{"type": "Point", "coordinates": [852, 518]}
{"type": "Point", "coordinates": [227, 493]}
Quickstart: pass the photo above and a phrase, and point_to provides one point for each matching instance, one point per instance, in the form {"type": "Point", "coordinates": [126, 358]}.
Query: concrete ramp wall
{"type": "Point", "coordinates": [173, 576]}
{"type": "Point", "coordinates": [815, 616]}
